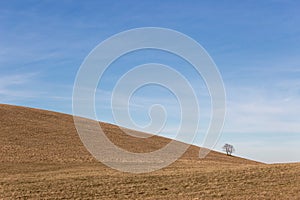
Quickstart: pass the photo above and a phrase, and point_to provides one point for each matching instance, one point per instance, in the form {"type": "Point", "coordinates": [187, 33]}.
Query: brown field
{"type": "Point", "coordinates": [42, 157]}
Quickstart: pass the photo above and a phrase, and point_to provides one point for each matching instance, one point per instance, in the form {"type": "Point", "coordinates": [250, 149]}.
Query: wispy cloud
{"type": "Point", "coordinates": [262, 110]}
{"type": "Point", "coordinates": [14, 86]}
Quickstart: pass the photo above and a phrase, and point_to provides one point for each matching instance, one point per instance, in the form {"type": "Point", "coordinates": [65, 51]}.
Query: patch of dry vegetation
{"type": "Point", "coordinates": [42, 157]}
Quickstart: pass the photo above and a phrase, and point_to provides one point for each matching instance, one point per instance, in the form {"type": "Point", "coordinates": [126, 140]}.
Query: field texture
{"type": "Point", "coordinates": [42, 157]}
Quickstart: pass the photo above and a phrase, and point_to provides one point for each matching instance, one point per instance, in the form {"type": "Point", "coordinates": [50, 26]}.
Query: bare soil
{"type": "Point", "coordinates": [42, 157]}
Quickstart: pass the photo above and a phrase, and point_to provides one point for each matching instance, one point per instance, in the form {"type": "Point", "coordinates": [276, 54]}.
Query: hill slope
{"type": "Point", "coordinates": [33, 135]}
{"type": "Point", "coordinates": [42, 157]}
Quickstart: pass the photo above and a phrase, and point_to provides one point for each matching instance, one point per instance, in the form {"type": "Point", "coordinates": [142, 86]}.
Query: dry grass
{"type": "Point", "coordinates": [42, 157]}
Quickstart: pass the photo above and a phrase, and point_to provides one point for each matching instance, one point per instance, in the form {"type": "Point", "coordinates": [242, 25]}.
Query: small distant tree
{"type": "Point", "coordinates": [229, 149]}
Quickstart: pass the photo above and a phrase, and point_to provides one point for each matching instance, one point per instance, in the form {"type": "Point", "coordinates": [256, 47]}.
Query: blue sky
{"type": "Point", "coordinates": [255, 45]}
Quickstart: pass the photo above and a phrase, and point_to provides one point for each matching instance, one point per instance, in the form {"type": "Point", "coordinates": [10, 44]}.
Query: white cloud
{"type": "Point", "coordinates": [262, 110]}
{"type": "Point", "coordinates": [14, 86]}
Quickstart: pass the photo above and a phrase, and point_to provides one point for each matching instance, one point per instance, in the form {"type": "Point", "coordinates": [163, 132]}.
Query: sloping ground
{"type": "Point", "coordinates": [42, 157]}
{"type": "Point", "coordinates": [32, 135]}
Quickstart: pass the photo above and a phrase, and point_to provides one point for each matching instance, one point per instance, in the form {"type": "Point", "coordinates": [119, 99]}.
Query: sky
{"type": "Point", "coordinates": [254, 44]}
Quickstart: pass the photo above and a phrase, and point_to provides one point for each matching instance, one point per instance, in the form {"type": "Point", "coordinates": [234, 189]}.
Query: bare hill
{"type": "Point", "coordinates": [42, 157]}
{"type": "Point", "coordinates": [33, 135]}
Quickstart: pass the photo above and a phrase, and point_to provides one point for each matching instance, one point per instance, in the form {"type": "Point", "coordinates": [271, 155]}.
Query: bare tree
{"type": "Point", "coordinates": [229, 149]}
